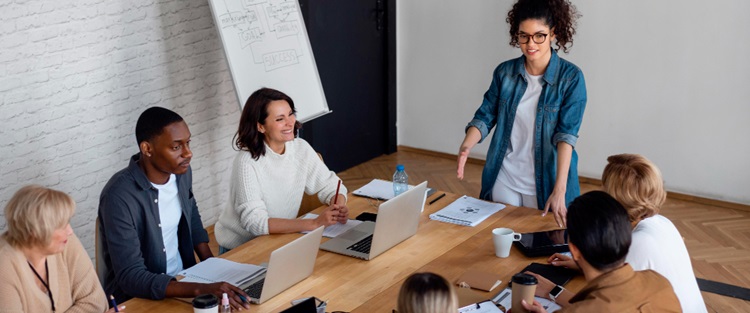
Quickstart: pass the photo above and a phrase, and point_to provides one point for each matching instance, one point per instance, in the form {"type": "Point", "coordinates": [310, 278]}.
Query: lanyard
{"type": "Point", "coordinates": [49, 291]}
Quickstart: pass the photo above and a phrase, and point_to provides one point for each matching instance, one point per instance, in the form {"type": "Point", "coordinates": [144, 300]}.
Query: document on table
{"type": "Point", "coordinates": [214, 270]}
{"type": "Point", "coordinates": [467, 211]}
{"type": "Point", "coordinates": [481, 307]}
{"type": "Point", "coordinates": [381, 190]}
{"type": "Point", "coordinates": [504, 298]}
{"type": "Point", "coordinates": [335, 229]}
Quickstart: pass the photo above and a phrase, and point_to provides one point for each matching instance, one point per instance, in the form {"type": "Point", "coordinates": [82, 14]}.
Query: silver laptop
{"type": "Point", "coordinates": [397, 220]}
{"type": "Point", "coordinates": [288, 265]}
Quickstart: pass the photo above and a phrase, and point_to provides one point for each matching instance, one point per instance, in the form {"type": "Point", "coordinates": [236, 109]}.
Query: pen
{"type": "Point", "coordinates": [113, 303]}
{"type": "Point", "coordinates": [244, 300]}
{"type": "Point", "coordinates": [438, 198]}
{"type": "Point", "coordinates": [336, 196]}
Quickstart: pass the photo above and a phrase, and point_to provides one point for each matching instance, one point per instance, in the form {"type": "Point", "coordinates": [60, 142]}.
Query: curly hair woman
{"type": "Point", "coordinates": [535, 103]}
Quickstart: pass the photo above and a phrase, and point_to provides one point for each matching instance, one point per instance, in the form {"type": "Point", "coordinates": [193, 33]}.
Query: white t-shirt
{"type": "Point", "coordinates": [170, 212]}
{"type": "Point", "coordinates": [517, 171]}
{"type": "Point", "coordinates": [657, 245]}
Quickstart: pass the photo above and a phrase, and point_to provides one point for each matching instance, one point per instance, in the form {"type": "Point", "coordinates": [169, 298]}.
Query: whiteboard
{"type": "Point", "coordinates": [266, 45]}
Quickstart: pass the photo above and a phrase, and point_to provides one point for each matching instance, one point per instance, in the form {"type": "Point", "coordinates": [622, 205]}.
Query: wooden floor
{"type": "Point", "coordinates": [717, 237]}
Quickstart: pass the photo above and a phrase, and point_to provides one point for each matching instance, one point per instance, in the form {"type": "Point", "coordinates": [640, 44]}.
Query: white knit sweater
{"type": "Point", "coordinates": [271, 187]}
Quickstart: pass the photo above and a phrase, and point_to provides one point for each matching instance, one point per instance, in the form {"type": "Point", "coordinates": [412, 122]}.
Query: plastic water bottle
{"type": "Point", "coordinates": [400, 180]}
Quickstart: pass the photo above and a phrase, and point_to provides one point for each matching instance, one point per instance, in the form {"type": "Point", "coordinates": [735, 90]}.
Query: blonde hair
{"type": "Point", "coordinates": [636, 183]}
{"type": "Point", "coordinates": [34, 213]}
{"type": "Point", "coordinates": [427, 293]}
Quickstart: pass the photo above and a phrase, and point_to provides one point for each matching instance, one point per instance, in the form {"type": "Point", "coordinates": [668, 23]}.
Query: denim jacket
{"type": "Point", "coordinates": [558, 117]}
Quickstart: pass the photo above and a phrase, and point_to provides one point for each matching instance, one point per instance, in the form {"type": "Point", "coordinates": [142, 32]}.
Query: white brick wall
{"type": "Point", "coordinates": [75, 76]}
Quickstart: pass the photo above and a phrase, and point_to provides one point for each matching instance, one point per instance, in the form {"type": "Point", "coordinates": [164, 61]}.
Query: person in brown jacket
{"type": "Point", "coordinates": [599, 236]}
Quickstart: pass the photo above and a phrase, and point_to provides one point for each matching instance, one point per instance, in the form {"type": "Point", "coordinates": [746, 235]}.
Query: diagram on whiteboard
{"type": "Point", "coordinates": [266, 45]}
{"type": "Point", "coordinates": [270, 29]}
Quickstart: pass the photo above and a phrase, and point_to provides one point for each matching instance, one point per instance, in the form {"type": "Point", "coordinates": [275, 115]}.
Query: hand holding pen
{"type": "Point", "coordinates": [343, 210]}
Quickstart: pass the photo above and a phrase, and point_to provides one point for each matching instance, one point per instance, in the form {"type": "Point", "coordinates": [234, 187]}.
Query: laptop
{"type": "Point", "coordinates": [288, 265]}
{"type": "Point", "coordinates": [397, 220]}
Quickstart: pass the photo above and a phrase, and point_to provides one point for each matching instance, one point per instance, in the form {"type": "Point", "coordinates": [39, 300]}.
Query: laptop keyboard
{"type": "Point", "coordinates": [254, 290]}
{"type": "Point", "coordinates": [362, 246]}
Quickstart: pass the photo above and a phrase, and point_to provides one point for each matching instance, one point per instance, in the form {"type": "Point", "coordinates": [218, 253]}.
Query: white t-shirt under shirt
{"type": "Point", "coordinates": [170, 213]}
{"type": "Point", "coordinates": [658, 245]}
{"type": "Point", "coordinates": [517, 171]}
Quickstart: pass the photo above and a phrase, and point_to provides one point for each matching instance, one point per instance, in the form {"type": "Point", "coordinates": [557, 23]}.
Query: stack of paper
{"type": "Point", "coordinates": [467, 211]}
{"type": "Point", "coordinates": [214, 270]}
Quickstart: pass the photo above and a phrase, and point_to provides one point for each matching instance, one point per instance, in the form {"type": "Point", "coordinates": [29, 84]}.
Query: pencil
{"type": "Point", "coordinates": [336, 196]}
{"type": "Point", "coordinates": [114, 304]}
{"type": "Point", "coordinates": [438, 198]}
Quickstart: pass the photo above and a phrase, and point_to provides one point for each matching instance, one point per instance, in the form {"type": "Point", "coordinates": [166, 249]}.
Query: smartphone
{"type": "Point", "coordinates": [367, 216]}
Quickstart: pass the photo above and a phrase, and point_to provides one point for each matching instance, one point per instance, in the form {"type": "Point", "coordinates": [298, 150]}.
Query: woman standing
{"type": "Point", "coordinates": [535, 103]}
{"type": "Point", "coordinates": [44, 267]}
{"type": "Point", "coordinates": [271, 173]}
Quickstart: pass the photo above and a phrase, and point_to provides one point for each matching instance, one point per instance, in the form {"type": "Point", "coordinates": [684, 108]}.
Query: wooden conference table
{"type": "Point", "coordinates": [353, 285]}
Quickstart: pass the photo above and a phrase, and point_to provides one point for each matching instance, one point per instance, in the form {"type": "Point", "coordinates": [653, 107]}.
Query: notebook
{"type": "Point", "coordinates": [467, 211]}
{"type": "Point", "coordinates": [556, 274]}
{"type": "Point", "coordinates": [288, 265]}
{"type": "Point", "coordinates": [397, 220]}
{"type": "Point", "coordinates": [479, 279]}
{"type": "Point", "coordinates": [381, 190]}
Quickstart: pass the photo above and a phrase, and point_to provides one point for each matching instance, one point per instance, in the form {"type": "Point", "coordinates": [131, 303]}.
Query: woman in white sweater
{"type": "Point", "coordinates": [270, 174]}
{"type": "Point", "coordinates": [657, 244]}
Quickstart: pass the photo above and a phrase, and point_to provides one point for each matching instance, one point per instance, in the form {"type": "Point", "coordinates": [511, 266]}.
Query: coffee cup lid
{"type": "Point", "coordinates": [524, 279]}
{"type": "Point", "coordinates": [205, 301]}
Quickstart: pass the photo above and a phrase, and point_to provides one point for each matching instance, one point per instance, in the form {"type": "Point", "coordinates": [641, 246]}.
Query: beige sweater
{"type": "Point", "coordinates": [272, 187]}
{"type": "Point", "coordinates": [72, 279]}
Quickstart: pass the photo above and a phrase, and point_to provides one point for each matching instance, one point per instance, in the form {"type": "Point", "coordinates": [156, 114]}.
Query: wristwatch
{"type": "Point", "coordinates": [555, 292]}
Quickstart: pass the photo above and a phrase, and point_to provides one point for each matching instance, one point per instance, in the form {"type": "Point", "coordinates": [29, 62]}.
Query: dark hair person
{"type": "Point", "coordinates": [150, 227]}
{"type": "Point", "coordinates": [271, 172]}
{"type": "Point", "coordinates": [535, 103]}
{"type": "Point", "coordinates": [637, 184]}
{"type": "Point", "coordinates": [599, 237]}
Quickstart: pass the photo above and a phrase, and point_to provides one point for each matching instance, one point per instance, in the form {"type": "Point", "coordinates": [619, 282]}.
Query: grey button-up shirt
{"type": "Point", "coordinates": [130, 233]}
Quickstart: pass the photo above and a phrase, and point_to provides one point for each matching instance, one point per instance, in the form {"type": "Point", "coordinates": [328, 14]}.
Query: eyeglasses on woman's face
{"type": "Point", "coordinates": [539, 38]}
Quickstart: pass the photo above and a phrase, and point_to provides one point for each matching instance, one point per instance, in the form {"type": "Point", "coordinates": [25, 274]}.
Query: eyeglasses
{"type": "Point", "coordinates": [538, 38]}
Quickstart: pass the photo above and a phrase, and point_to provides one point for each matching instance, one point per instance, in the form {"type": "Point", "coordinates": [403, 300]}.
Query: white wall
{"type": "Point", "coordinates": [75, 76]}
{"type": "Point", "coordinates": [666, 79]}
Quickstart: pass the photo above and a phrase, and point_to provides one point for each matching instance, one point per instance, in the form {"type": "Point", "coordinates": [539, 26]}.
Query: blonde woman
{"type": "Point", "coordinates": [427, 293]}
{"type": "Point", "coordinates": [44, 267]}
{"type": "Point", "coordinates": [657, 245]}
